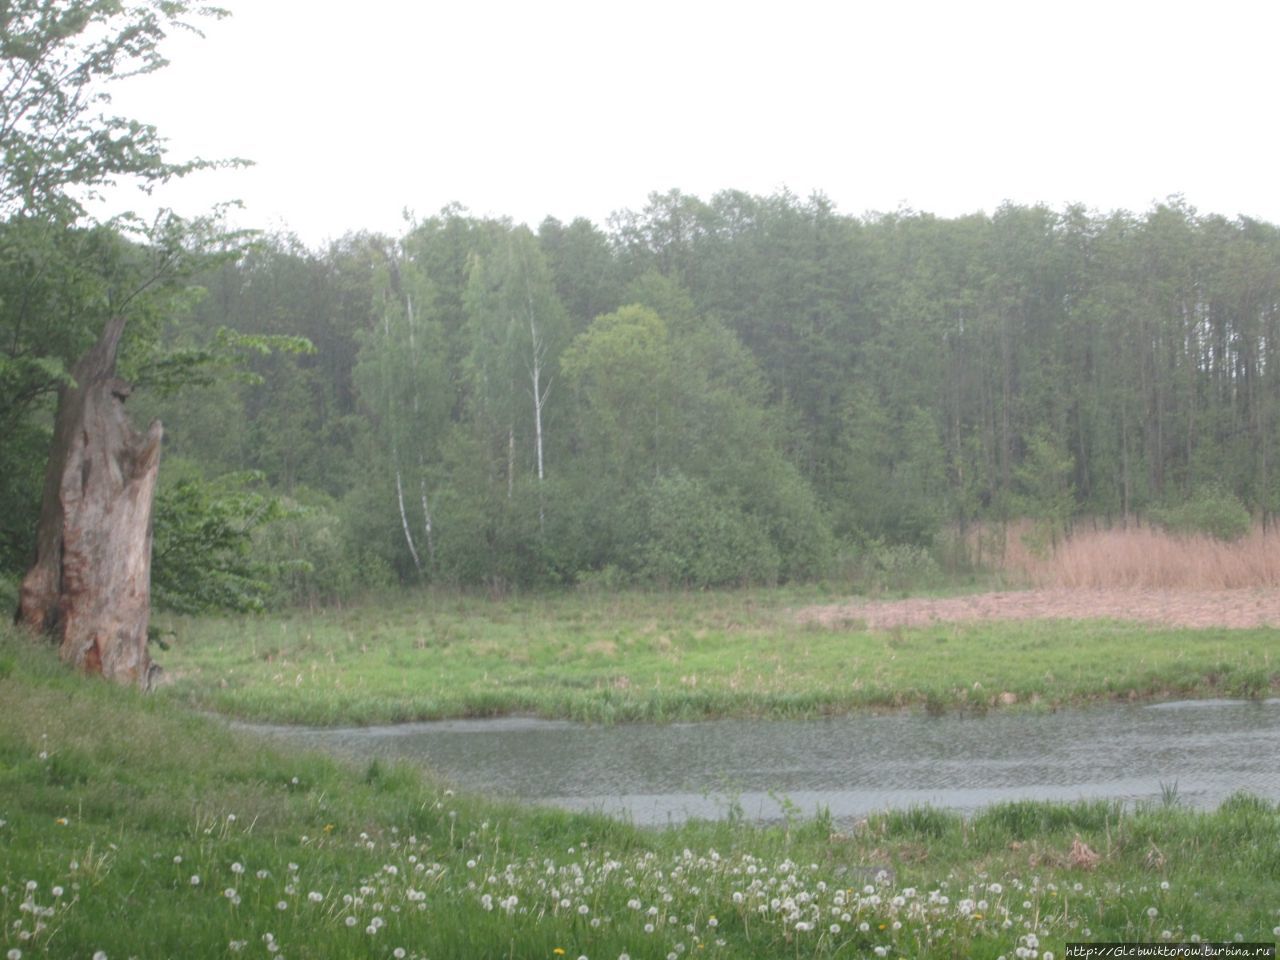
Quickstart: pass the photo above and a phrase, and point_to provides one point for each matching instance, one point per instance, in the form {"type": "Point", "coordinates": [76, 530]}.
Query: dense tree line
{"type": "Point", "coordinates": [736, 389]}
{"type": "Point", "coordinates": [704, 391]}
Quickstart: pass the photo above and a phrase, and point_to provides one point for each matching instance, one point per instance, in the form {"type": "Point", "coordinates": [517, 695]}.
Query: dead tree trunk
{"type": "Point", "coordinates": [90, 587]}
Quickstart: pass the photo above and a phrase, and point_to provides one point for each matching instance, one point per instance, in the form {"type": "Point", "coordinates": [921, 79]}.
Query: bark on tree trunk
{"type": "Point", "coordinates": [90, 586]}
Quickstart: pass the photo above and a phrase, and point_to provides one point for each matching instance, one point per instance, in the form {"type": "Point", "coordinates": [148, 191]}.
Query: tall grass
{"type": "Point", "coordinates": [1145, 557]}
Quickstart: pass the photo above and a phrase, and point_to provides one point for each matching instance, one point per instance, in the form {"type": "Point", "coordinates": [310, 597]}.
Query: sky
{"type": "Point", "coordinates": [356, 113]}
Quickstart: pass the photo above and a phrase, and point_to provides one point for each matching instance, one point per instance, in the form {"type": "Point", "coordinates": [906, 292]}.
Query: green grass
{"type": "Point", "coordinates": [659, 657]}
{"type": "Point", "coordinates": [112, 802]}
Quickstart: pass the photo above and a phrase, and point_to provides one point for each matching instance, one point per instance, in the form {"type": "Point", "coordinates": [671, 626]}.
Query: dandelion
{"type": "Point", "coordinates": [350, 921]}
{"type": "Point", "coordinates": [57, 891]}
{"type": "Point", "coordinates": [315, 896]}
{"type": "Point", "coordinates": [61, 821]}
{"type": "Point", "coordinates": [263, 874]}
{"type": "Point", "coordinates": [558, 951]}
{"type": "Point", "coordinates": [195, 879]}
{"type": "Point", "coordinates": [282, 905]}
{"type": "Point", "coordinates": [398, 953]}
{"type": "Point", "coordinates": [100, 955]}
{"type": "Point", "coordinates": [237, 868]}
{"type": "Point", "coordinates": [1152, 912]}
{"type": "Point", "coordinates": [16, 954]}
{"type": "Point", "coordinates": [177, 860]}
{"type": "Point", "coordinates": [371, 929]}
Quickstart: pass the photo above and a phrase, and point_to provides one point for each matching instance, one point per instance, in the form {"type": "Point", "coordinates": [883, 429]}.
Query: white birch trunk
{"type": "Point", "coordinates": [395, 455]}
{"type": "Point", "coordinates": [422, 468]}
{"type": "Point", "coordinates": [539, 398]}
{"type": "Point", "coordinates": [404, 517]}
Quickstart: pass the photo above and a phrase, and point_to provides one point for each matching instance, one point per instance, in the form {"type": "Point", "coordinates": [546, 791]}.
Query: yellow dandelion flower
{"type": "Point", "coordinates": [328, 828]}
{"type": "Point", "coordinates": [61, 821]}
{"type": "Point", "coordinates": [558, 951]}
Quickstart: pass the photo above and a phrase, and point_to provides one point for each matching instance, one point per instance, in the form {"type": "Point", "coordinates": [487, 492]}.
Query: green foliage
{"type": "Point", "coordinates": [1046, 494]}
{"type": "Point", "coordinates": [696, 539]}
{"type": "Point", "coordinates": [874, 566]}
{"type": "Point", "coordinates": [1213, 512]}
{"type": "Point", "coordinates": [202, 557]}
{"type": "Point", "coordinates": [56, 61]}
{"type": "Point", "coordinates": [875, 382]}
{"type": "Point", "coordinates": [309, 557]}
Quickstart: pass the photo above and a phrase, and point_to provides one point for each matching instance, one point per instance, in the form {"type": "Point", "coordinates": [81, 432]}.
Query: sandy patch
{"type": "Point", "coordinates": [1254, 607]}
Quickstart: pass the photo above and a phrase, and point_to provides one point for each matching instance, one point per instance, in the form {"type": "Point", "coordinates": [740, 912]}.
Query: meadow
{"type": "Point", "coordinates": [133, 827]}
{"type": "Point", "coordinates": [143, 826]}
{"type": "Point", "coordinates": [622, 657]}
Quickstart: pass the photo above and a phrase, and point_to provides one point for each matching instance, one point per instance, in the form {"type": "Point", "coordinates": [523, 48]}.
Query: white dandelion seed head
{"type": "Point", "coordinates": [237, 868]}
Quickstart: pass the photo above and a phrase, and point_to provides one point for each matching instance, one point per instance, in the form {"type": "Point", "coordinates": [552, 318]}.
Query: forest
{"type": "Point", "coordinates": [739, 389]}
{"type": "Point", "coordinates": [726, 390]}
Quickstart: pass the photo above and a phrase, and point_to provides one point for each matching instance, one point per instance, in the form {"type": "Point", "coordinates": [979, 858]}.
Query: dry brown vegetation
{"type": "Point", "coordinates": [1146, 558]}
{"type": "Point", "coordinates": [1136, 573]}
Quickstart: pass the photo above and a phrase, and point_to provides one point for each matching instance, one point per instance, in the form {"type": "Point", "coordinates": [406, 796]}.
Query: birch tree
{"type": "Point", "coordinates": [517, 328]}
{"type": "Point", "coordinates": [402, 376]}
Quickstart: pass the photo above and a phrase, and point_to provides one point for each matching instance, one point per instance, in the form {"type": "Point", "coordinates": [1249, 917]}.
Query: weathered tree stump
{"type": "Point", "coordinates": [90, 587]}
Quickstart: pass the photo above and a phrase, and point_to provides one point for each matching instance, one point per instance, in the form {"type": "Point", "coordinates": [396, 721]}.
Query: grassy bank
{"type": "Point", "coordinates": [132, 827]}
{"type": "Point", "coordinates": [674, 657]}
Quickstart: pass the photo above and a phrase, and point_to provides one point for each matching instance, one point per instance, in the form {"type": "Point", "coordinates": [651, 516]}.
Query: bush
{"type": "Point", "coordinates": [696, 539]}
{"type": "Point", "coordinates": [1213, 513]}
{"type": "Point", "coordinates": [8, 595]}
{"type": "Point", "coordinates": [313, 556]}
{"type": "Point", "coordinates": [877, 566]}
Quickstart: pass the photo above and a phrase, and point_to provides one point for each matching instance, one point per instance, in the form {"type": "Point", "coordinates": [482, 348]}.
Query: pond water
{"type": "Point", "coordinates": [762, 769]}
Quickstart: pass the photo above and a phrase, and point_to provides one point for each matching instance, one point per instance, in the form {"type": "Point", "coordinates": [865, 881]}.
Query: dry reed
{"type": "Point", "coordinates": [1144, 557]}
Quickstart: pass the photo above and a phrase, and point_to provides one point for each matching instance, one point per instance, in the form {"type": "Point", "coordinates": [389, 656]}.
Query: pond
{"type": "Point", "coordinates": [853, 765]}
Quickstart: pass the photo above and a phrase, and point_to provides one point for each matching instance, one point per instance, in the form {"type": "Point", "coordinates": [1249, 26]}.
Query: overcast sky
{"type": "Point", "coordinates": [355, 112]}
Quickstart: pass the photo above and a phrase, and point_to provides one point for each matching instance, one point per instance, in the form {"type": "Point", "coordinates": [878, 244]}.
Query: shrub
{"type": "Point", "coordinates": [1213, 513]}
{"type": "Point", "coordinates": [313, 556]}
{"type": "Point", "coordinates": [698, 539]}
